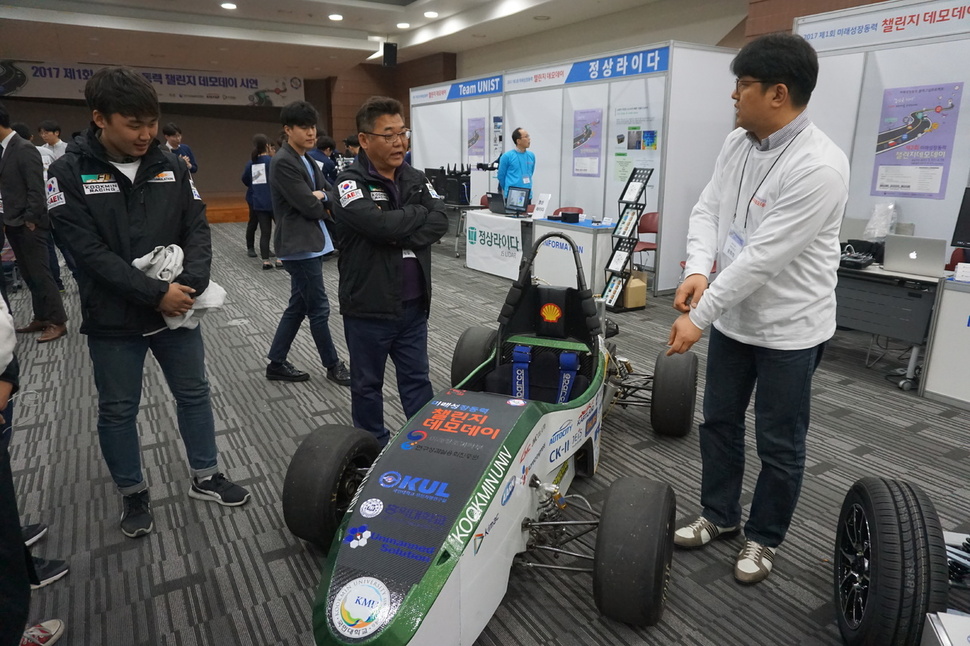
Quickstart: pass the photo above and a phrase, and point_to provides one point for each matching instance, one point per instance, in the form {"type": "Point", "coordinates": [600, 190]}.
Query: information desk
{"type": "Point", "coordinates": [887, 303]}
{"type": "Point", "coordinates": [948, 352]}
{"type": "Point", "coordinates": [495, 243]}
{"type": "Point", "coordinates": [554, 263]}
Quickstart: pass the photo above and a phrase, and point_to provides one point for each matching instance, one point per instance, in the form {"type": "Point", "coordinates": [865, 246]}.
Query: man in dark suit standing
{"type": "Point", "coordinates": [299, 208]}
{"type": "Point", "coordinates": [27, 226]}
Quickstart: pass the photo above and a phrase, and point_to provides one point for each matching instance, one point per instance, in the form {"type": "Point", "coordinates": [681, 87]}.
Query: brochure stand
{"type": "Point", "coordinates": [625, 236]}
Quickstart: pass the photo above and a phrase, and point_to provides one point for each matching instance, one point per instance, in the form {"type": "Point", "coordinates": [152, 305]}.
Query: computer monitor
{"type": "Point", "coordinates": [961, 232]}
{"type": "Point", "coordinates": [517, 200]}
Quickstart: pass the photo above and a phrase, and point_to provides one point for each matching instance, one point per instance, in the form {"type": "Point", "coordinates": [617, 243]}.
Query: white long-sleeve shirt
{"type": "Point", "coordinates": [779, 291]}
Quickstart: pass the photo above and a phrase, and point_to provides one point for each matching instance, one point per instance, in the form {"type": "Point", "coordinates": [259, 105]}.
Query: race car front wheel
{"type": "Point", "coordinates": [674, 393]}
{"type": "Point", "coordinates": [890, 563]}
{"type": "Point", "coordinates": [322, 478]}
{"type": "Point", "coordinates": [634, 547]}
{"type": "Point", "coordinates": [474, 346]}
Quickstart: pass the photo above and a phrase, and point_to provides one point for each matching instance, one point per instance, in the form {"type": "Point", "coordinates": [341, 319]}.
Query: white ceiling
{"type": "Point", "coordinates": [288, 37]}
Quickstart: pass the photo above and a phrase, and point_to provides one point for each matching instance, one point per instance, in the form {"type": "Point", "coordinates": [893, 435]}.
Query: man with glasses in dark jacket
{"type": "Point", "coordinates": [387, 217]}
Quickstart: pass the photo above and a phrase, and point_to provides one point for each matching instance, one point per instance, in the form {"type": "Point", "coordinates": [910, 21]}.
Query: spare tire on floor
{"type": "Point", "coordinates": [474, 346]}
{"type": "Point", "coordinates": [673, 394]}
{"type": "Point", "coordinates": [890, 563]}
{"type": "Point", "coordinates": [322, 478]}
{"type": "Point", "coordinates": [634, 547]}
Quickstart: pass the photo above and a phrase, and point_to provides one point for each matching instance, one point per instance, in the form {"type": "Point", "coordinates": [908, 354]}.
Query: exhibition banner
{"type": "Point", "coordinates": [882, 25]}
{"type": "Point", "coordinates": [494, 244]}
{"type": "Point", "coordinates": [67, 81]}
{"type": "Point", "coordinates": [459, 90]}
{"type": "Point", "coordinates": [646, 61]}
{"type": "Point", "coordinates": [914, 145]}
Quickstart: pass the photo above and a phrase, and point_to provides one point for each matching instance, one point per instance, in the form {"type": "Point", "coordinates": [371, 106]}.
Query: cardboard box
{"type": "Point", "coordinates": [635, 292]}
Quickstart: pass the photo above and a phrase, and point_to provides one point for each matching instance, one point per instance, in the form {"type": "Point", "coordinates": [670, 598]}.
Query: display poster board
{"type": "Point", "coordinates": [493, 243]}
{"type": "Point", "coordinates": [437, 139]}
{"type": "Point", "coordinates": [925, 174]}
{"type": "Point", "coordinates": [541, 114]}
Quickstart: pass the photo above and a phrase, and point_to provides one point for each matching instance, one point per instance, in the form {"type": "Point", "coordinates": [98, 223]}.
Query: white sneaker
{"type": "Point", "coordinates": [700, 532]}
{"type": "Point", "coordinates": [754, 562]}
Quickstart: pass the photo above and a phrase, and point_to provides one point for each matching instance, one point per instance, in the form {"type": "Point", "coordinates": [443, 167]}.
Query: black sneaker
{"type": "Point", "coordinates": [136, 517]}
{"type": "Point", "coordinates": [284, 371]}
{"type": "Point", "coordinates": [48, 571]}
{"type": "Point", "coordinates": [251, 252]}
{"type": "Point", "coordinates": [219, 489]}
{"type": "Point", "coordinates": [33, 533]}
{"type": "Point", "coordinates": [339, 374]}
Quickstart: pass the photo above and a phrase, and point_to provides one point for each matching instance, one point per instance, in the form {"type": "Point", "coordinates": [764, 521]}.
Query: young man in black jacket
{"type": "Point", "coordinates": [115, 196]}
{"type": "Point", "coordinates": [302, 240]}
{"type": "Point", "coordinates": [387, 217]}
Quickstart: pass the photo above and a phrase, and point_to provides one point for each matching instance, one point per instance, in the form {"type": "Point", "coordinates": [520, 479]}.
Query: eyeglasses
{"type": "Point", "coordinates": [404, 135]}
{"type": "Point", "coordinates": [738, 83]}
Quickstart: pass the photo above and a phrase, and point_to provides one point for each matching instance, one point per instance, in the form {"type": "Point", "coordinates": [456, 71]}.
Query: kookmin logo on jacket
{"type": "Point", "coordinates": [100, 183]}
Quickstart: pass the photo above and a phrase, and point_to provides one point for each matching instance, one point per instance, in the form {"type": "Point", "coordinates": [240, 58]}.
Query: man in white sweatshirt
{"type": "Point", "coordinates": [769, 221]}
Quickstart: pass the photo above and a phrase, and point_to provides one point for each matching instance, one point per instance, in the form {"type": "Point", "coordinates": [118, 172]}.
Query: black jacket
{"type": "Point", "coordinates": [106, 222]}
{"type": "Point", "coordinates": [296, 209]}
{"type": "Point", "coordinates": [22, 184]}
{"type": "Point", "coordinates": [375, 228]}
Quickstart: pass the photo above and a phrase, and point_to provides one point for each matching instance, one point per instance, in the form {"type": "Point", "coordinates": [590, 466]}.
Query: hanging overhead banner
{"type": "Point", "coordinates": [884, 23]}
{"type": "Point", "coordinates": [597, 69]}
{"type": "Point", "coordinates": [457, 90]}
{"type": "Point", "coordinates": [66, 81]}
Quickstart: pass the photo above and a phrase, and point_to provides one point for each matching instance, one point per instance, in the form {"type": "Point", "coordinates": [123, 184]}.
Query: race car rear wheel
{"type": "Point", "coordinates": [890, 563]}
{"type": "Point", "coordinates": [634, 547]}
{"type": "Point", "coordinates": [674, 393]}
{"type": "Point", "coordinates": [474, 347]}
{"type": "Point", "coordinates": [322, 478]}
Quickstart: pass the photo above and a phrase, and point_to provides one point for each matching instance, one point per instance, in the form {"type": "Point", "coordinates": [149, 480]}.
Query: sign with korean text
{"type": "Point", "coordinates": [882, 24]}
{"type": "Point", "coordinates": [605, 68]}
{"type": "Point", "coordinates": [458, 90]}
{"type": "Point", "coordinates": [493, 244]}
{"type": "Point", "coordinates": [67, 81]}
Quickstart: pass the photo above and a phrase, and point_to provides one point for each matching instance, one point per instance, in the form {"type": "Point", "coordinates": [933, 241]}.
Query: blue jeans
{"type": "Point", "coordinates": [118, 366]}
{"type": "Point", "coordinates": [308, 299]}
{"type": "Point", "coordinates": [370, 342]}
{"type": "Point", "coordinates": [782, 408]}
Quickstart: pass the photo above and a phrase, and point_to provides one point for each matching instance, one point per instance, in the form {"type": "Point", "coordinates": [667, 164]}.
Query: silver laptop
{"type": "Point", "coordinates": [912, 255]}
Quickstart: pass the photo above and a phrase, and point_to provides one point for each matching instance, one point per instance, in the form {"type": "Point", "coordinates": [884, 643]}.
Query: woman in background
{"type": "Point", "coordinates": [256, 178]}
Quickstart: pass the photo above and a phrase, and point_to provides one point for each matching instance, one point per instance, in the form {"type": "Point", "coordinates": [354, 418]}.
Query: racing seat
{"type": "Point", "coordinates": [558, 328]}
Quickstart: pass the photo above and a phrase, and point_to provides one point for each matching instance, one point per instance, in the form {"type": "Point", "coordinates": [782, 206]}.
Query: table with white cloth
{"type": "Point", "coordinates": [554, 263]}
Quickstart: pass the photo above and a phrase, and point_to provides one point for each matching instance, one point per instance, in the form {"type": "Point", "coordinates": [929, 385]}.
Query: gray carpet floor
{"type": "Point", "coordinates": [209, 575]}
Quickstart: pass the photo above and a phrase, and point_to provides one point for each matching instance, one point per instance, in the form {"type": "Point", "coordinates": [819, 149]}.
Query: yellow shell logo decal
{"type": "Point", "coordinates": [550, 312]}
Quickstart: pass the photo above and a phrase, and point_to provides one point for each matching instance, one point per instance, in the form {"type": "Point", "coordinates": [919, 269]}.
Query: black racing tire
{"type": "Point", "coordinates": [322, 478]}
{"type": "Point", "coordinates": [674, 394]}
{"type": "Point", "coordinates": [634, 547]}
{"type": "Point", "coordinates": [473, 348]}
{"type": "Point", "coordinates": [890, 563]}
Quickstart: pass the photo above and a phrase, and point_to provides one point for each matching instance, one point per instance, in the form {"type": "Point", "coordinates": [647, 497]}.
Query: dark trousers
{"type": "Point", "coordinates": [308, 299]}
{"type": "Point", "coordinates": [251, 228]}
{"type": "Point", "coordinates": [370, 342]}
{"type": "Point", "coordinates": [15, 560]}
{"type": "Point", "coordinates": [782, 409]}
{"type": "Point", "coordinates": [33, 258]}
{"type": "Point", "coordinates": [265, 219]}
{"type": "Point", "coordinates": [119, 364]}
{"type": "Point", "coordinates": [53, 244]}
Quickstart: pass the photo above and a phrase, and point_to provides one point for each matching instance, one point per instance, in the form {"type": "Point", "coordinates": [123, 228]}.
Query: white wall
{"type": "Point", "coordinates": [704, 22]}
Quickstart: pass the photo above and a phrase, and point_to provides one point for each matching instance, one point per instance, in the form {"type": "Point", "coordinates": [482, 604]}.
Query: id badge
{"type": "Point", "coordinates": [734, 243]}
{"type": "Point", "coordinates": [526, 180]}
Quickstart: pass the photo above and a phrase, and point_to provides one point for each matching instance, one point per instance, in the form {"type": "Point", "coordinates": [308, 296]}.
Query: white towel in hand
{"type": "Point", "coordinates": [165, 263]}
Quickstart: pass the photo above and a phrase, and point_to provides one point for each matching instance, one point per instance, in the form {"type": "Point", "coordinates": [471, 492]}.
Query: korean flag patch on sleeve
{"type": "Point", "coordinates": [349, 192]}
{"type": "Point", "coordinates": [55, 197]}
